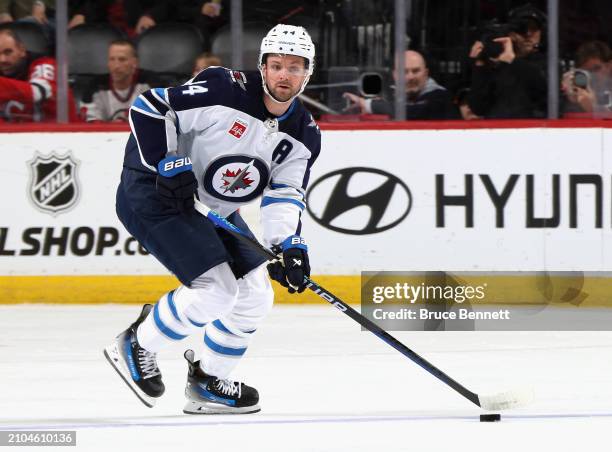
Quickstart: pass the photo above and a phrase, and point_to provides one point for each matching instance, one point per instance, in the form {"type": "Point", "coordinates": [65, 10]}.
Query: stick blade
{"type": "Point", "coordinates": [506, 400]}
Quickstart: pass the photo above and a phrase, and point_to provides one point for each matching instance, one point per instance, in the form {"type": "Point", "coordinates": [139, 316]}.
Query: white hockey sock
{"type": "Point", "coordinates": [223, 348]}
{"type": "Point", "coordinates": [185, 311]}
{"type": "Point", "coordinates": [227, 338]}
{"type": "Point", "coordinates": [165, 325]}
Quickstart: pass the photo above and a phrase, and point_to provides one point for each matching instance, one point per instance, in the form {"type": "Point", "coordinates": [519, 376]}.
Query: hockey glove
{"type": "Point", "coordinates": [290, 273]}
{"type": "Point", "coordinates": [176, 184]}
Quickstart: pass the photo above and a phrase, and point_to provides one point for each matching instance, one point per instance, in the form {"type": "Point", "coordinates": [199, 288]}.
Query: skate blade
{"type": "Point", "coordinates": [115, 359]}
{"type": "Point", "coordinates": [201, 407]}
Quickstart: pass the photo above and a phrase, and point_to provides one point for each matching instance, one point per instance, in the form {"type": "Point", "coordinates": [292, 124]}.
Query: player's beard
{"type": "Point", "coordinates": [282, 95]}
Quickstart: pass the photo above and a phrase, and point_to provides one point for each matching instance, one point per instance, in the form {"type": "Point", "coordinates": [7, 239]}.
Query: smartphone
{"type": "Point", "coordinates": [582, 79]}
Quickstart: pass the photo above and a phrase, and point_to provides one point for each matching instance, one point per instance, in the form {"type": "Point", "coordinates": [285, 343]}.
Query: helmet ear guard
{"type": "Point", "coordinates": [287, 40]}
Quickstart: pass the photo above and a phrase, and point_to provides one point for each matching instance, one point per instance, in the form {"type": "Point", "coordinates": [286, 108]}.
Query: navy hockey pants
{"type": "Point", "coordinates": [186, 244]}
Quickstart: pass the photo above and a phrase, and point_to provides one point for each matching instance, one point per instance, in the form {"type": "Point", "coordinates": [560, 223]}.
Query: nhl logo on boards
{"type": "Point", "coordinates": [238, 128]}
{"type": "Point", "coordinates": [53, 187]}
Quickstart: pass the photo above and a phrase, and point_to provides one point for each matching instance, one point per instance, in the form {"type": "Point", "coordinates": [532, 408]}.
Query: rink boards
{"type": "Point", "coordinates": [510, 200]}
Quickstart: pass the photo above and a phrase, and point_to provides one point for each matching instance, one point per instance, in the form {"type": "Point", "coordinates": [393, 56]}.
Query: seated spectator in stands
{"type": "Point", "coordinates": [204, 60]}
{"type": "Point", "coordinates": [208, 16]}
{"type": "Point", "coordinates": [36, 11]}
{"type": "Point", "coordinates": [12, 10]}
{"type": "Point", "coordinates": [120, 88]}
{"type": "Point", "coordinates": [131, 16]}
{"type": "Point", "coordinates": [27, 85]}
{"type": "Point", "coordinates": [425, 99]}
{"type": "Point", "coordinates": [591, 90]}
{"type": "Point", "coordinates": [510, 81]}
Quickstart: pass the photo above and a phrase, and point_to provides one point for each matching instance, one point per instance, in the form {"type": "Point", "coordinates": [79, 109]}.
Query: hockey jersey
{"type": "Point", "coordinates": [107, 103]}
{"type": "Point", "coordinates": [31, 96]}
{"type": "Point", "coordinates": [239, 150]}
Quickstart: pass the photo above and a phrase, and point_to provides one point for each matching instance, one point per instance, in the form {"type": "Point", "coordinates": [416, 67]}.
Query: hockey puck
{"type": "Point", "coordinates": [490, 417]}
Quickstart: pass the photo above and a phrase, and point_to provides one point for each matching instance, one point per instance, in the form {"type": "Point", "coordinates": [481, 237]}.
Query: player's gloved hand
{"type": "Point", "coordinates": [290, 273]}
{"type": "Point", "coordinates": [176, 184]}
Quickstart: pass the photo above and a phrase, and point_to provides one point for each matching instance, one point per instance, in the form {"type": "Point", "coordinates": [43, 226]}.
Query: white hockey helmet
{"type": "Point", "coordinates": [287, 40]}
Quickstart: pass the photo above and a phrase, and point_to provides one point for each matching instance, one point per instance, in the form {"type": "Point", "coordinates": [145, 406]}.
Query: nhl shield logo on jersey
{"type": "Point", "coordinates": [237, 178]}
{"type": "Point", "coordinates": [53, 186]}
{"type": "Point", "coordinates": [238, 128]}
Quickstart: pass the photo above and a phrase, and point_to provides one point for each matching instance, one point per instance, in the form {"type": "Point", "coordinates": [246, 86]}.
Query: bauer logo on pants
{"type": "Point", "coordinates": [54, 186]}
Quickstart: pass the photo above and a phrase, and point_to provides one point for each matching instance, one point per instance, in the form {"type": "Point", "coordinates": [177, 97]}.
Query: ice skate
{"type": "Point", "coordinates": [134, 364]}
{"type": "Point", "coordinates": [207, 394]}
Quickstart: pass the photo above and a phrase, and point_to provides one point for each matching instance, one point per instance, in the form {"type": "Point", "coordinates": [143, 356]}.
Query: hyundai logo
{"type": "Point", "coordinates": [359, 201]}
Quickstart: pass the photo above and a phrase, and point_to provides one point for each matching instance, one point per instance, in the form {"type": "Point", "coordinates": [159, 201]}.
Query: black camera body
{"type": "Point", "coordinates": [490, 32]}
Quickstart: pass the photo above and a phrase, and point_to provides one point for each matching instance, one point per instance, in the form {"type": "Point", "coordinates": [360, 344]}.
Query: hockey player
{"type": "Point", "coordinates": [229, 137]}
{"type": "Point", "coordinates": [28, 85]}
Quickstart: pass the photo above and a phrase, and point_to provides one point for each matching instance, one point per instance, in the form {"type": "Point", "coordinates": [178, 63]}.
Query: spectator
{"type": "Point", "coordinates": [36, 10]}
{"type": "Point", "coordinates": [595, 59]}
{"type": "Point", "coordinates": [425, 99]}
{"type": "Point", "coordinates": [207, 16]}
{"type": "Point", "coordinates": [120, 88]}
{"type": "Point", "coordinates": [27, 85]}
{"type": "Point", "coordinates": [511, 84]}
{"type": "Point", "coordinates": [204, 60]}
{"type": "Point", "coordinates": [131, 16]}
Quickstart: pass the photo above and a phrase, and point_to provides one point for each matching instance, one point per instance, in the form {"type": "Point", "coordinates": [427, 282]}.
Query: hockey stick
{"type": "Point", "coordinates": [494, 402]}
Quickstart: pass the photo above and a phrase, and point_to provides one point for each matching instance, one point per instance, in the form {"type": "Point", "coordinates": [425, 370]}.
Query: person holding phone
{"type": "Point", "coordinates": [588, 87]}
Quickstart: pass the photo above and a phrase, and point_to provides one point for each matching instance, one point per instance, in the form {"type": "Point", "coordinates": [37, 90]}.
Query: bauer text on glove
{"type": "Point", "coordinates": [176, 184]}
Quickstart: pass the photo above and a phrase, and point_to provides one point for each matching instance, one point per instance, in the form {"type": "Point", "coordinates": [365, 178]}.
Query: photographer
{"type": "Point", "coordinates": [425, 98]}
{"type": "Point", "coordinates": [509, 71]}
{"type": "Point", "coordinates": [588, 88]}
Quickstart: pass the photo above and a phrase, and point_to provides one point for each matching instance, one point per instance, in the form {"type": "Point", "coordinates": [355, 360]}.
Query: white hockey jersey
{"type": "Point", "coordinates": [239, 150]}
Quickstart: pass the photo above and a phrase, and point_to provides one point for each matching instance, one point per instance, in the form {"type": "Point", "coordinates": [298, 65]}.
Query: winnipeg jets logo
{"type": "Point", "coordinates": [238, 128]}
{"type": "Point", "coordinates": [314, 124]}
{"type": "Point", "coordinates": [238, 77]}
{"type": "Point", "coordinates": [235, 180]}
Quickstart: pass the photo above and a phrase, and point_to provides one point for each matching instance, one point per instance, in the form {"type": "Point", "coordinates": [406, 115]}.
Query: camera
{"type": "Point", "coordinates": [490, 47]}
{"type": "Point", "coordinates": [582, 79]}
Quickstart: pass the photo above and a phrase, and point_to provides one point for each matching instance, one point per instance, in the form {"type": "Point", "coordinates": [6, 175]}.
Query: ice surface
{"type": "Point", "coordinates": [325, 386]}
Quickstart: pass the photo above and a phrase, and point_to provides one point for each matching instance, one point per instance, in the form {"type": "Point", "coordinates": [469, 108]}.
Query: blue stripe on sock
{"type": "Point", "coordinates": [217, 323]}
{"type": "Point", "coordinates": [222, 349]}
{"type": "Point", "coordinates": [166, 331]}
{"type": "Point", "coordinates": [173, 306]}
{"type": "Point", "coordinates": [193, 322]}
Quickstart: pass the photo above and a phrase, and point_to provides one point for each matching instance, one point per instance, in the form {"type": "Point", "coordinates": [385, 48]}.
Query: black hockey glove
{"type": "Point", "coordinates": [290, 273]}
{"type": "Point", "coordinates": [176, 184]}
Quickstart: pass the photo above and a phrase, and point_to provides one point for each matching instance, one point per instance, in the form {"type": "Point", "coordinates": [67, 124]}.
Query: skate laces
{"type": "Point", "coordinates": [229, 387]}
{"type": "Point", "coordinates": [148, 363]}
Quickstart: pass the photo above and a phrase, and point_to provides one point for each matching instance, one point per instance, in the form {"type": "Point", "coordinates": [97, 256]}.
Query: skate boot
{"type": "Point", "coordinates": [207, 394]}
{"type": "Point", "coordinates": [134, 364]}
